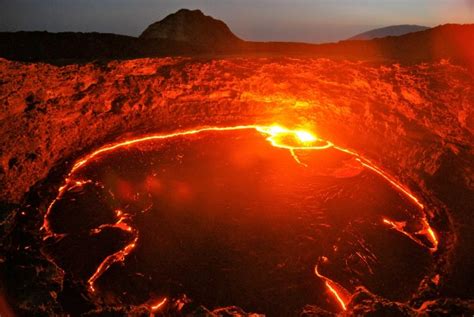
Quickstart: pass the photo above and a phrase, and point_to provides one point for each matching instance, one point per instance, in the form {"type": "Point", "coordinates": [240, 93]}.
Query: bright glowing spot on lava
{"type": "Point", "coordinates": [289, 139]}
{"type": "Point", "coordinates": [305, 136]}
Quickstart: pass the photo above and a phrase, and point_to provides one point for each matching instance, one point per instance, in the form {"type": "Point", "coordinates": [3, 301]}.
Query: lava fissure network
{"type": "Point", "coordinates": [270, 219]}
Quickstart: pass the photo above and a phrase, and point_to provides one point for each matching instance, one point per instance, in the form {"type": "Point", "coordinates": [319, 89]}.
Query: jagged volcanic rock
{"type": "Point", "coordinates": [49, 113]}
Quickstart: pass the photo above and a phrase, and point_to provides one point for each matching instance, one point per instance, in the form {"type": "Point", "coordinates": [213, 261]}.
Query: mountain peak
{"type": "Point", "coordinates": [393, 30]}
{"type": "Point", "coordinates": [188, 11]}
{"type": "Point", "coordinates": [191, 26]}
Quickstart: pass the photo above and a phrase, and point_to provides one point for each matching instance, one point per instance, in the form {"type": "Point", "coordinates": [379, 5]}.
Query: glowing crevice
{"type": "Point", "coordinates": [340, 294]}
{"type": "Point", "coordinates": [158, 305]}
{"type": "Point", "coordinates": [297, 159]}
{"type": "Point", "coordinates": [118, 256]}
{"type": "Point", "coordinates": [69, 184]}
{"type": "Point", "coordinates": [425, 231]}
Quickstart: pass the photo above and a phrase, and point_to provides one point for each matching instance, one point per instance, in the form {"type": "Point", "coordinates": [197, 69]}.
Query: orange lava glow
{"type": "Point", "coordinates": [158, 305]}
{"type": "Point", "coordinates": [426, 231]}
{"type": "Point", "coordinates": [336, 295]}
{"type": "Point", "coordinates": [118, 256]}
{"type": "Point", "coordinates": [339, 293]}
{"type": "Point", "coordinates": [392, 181]}
{"type": "Point", "coordinates": [292, 140]}
{"type": "Point", "coordinates": [279, 137]}
{"type": "Point", "coordinates": [431, 234]}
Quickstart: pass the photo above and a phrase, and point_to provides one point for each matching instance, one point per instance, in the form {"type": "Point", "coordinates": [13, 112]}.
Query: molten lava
{"type": "Point", "coordinates": [340, 293]}
{"type": "Point", "coordinates": [296, 141]}
{"type": "Point", "coordinates": [156, 307]}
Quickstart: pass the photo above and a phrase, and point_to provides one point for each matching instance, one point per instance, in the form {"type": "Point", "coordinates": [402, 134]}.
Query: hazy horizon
{"type": "Point", "coordinates": [264, 20]}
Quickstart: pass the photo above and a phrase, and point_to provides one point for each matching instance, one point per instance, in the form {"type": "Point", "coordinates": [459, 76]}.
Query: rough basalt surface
{"type": "Point", "coordinates": [417, 122]}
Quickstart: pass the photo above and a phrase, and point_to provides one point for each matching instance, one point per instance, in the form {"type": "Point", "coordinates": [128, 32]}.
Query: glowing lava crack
{"type": "Point", "coordinates": [297, 142]}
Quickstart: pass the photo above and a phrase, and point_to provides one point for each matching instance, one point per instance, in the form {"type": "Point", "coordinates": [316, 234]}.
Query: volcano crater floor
{"type": "Point", "coordinates": [125, 237]}
{"type": "Point", "coordinates": [224, 218]}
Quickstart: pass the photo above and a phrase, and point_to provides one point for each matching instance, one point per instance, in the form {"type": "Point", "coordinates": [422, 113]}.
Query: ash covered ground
{"type": "Point", "coordinates": [415, 121]}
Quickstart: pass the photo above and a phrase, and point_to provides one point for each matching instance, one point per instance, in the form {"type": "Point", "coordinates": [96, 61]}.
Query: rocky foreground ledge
{"type": "Point", "coordinates": [415, 121]}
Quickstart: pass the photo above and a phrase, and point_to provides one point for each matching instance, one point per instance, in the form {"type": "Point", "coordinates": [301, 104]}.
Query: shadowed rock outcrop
{"type": "Point", "coordinates": [191, 26]}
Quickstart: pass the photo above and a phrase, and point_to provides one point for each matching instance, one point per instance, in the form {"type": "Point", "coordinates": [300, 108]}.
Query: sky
{"type": "Point", "coordinates": [261, 20]}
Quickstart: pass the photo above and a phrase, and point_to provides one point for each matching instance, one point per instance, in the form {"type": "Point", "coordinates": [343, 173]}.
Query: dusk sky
{"type": "Point", "coordinates": [297, 20]}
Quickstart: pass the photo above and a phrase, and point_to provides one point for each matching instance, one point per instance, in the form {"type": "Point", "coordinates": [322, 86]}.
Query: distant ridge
{"type": "Point", "coordinates": [393, 30]}
{"type": "Point", "coordinates": [193, 27]}
{"type": "Point", "coordinates": [191, 33]}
